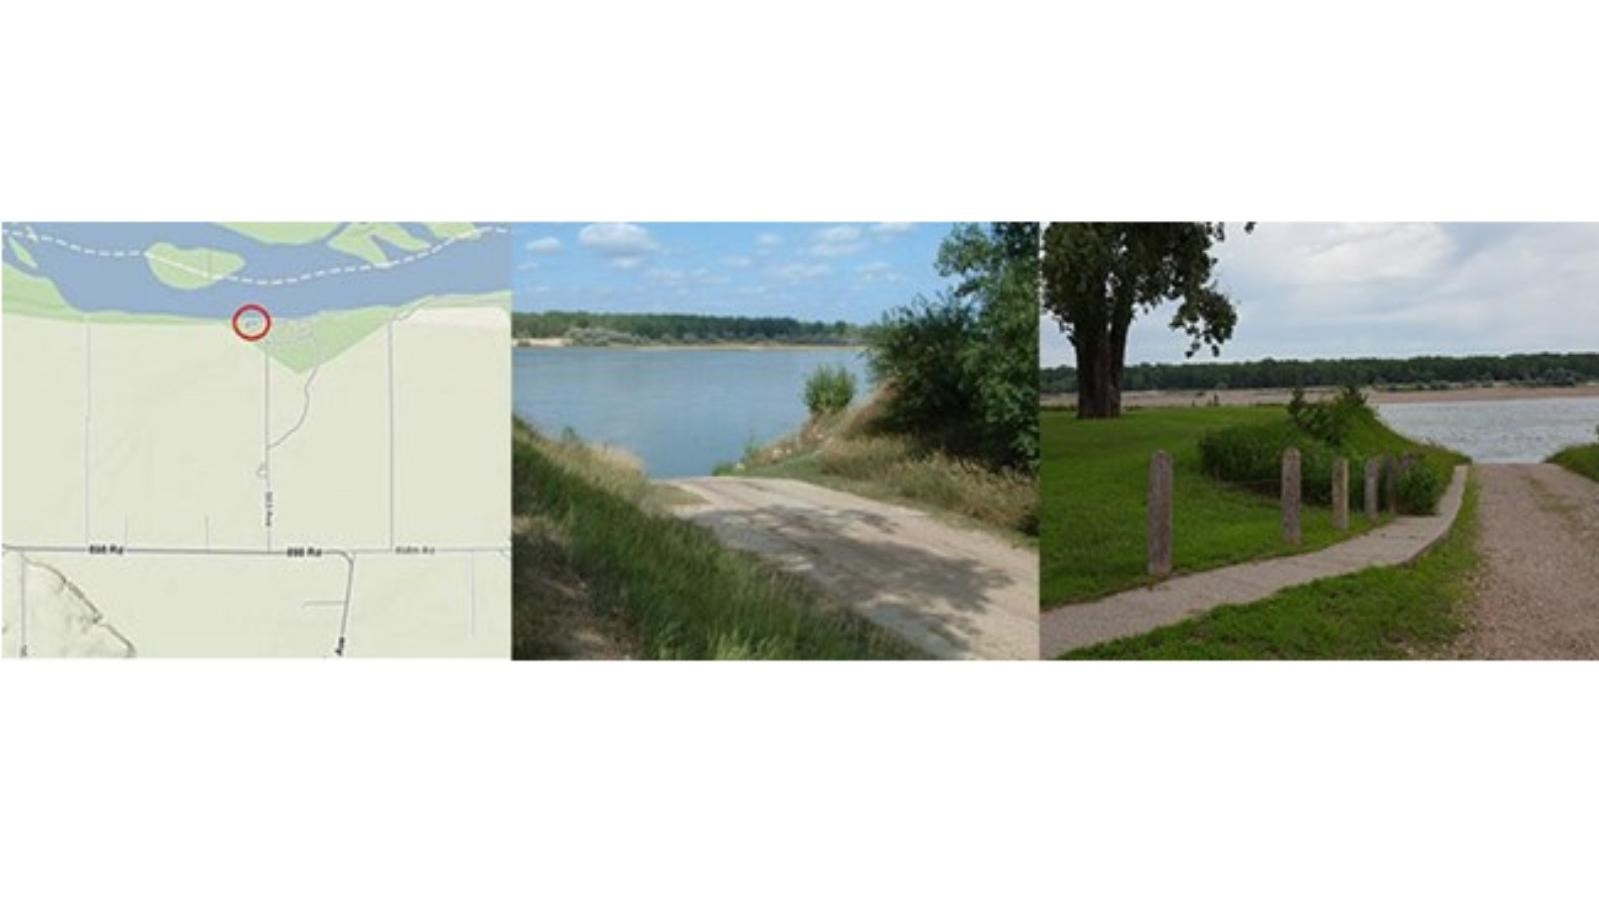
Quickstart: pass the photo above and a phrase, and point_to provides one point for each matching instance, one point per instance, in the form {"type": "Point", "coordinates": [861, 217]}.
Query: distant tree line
{"type": "Point", "coordinates": [1416, 372]}
{"type": "Point", "coordinates": [588, 327]}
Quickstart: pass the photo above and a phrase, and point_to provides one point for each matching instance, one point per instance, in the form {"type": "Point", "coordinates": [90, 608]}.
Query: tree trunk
{"type": "Point", "coordinates": [1099, 380]}
{"type": "Point", "coordinates": [1101, 358]}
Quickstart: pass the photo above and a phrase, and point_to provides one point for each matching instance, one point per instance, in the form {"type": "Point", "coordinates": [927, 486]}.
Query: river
{"type": "Point", "coordinates": [680, 411]}
{"type": "Point", "coordinates": [1499, 430]}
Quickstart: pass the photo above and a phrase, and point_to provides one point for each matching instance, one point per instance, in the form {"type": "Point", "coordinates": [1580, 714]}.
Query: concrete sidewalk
{"type": "Point", "coordinates": [956, 593]}
{"type": "Point", "coordinates": [1145, 609]}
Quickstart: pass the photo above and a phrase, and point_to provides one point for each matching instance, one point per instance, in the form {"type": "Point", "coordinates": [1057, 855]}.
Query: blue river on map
{"type": "Point", "coordinates": [95, 283]}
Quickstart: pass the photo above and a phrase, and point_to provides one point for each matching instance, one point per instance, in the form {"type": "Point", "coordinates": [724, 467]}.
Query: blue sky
{"type": "Point", "coordinates": [1329, 290]}
{"type": "Point", "coordinates": [812, 271]}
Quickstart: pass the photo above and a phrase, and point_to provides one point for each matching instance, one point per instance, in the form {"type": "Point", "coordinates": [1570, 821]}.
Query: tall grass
{"type": "Point", "coordinates": [1582, 459]}
{"type": "Point", "coordinates": [684, 594]}
{"type": "Point", "coordinates": [854, 451]}
{"type": "Point", "coordinates": [829, 389]}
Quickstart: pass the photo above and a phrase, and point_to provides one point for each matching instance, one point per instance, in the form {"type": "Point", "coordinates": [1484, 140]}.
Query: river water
{"type": "Point", "coordinates": [1499, 430]}
{"type": "Point", "coordinates": [680, 411]}
{"type": "Point", "coordinates": [98, 267]}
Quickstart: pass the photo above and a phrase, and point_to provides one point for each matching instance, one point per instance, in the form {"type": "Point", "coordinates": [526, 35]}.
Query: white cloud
{"type": "Point", "coordinates": [544, 246]}
{"type": "Point", "coordinates": [625, 245]}
{"type": "Point", "coordinates": [700, 277]}
{"type": "Point", "coordinates": [768, 239]}
{"type": "Point", "coordinates": [838, 240]}
{"type": "Point", "coordinates": [737, 261]}
{"type": "Point", "coordinates": [886, 228]}
{"type": "Point", "coordinates": [877, 271]}
{"type": "Point", "coordinates": [800, 271]}
{"type": "Point", "coordinates": [1348, 290]}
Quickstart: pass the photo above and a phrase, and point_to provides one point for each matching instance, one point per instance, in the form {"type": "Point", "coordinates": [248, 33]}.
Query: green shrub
{"type": "Point", "coordinates": [1420, 489]}
{"type": "Point", "coordinates": [1330, 421]}
{"type": "Point", "coordinates": [829, 389]}
{"type": "Point", "coordinates": [1250, 456]}
{"type": "Point", "coordinates": [962, 369]}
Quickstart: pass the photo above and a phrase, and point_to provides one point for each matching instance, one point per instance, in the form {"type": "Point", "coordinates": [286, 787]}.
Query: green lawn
{"type": "Point", "coordinates": [1399, 612]}
{"type": "Point", "coordinates": [1095, 474]}
{"type": "Point", "coordinates": [1584, 460]}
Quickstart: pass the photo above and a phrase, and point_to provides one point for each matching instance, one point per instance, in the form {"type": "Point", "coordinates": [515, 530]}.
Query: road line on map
{"type": "Point", "coordinates": [391, 432]}
{"type": "Point", "coordinates": [88, 423]}
{"type": "Point", "coordinates": [266, 442]}
{"type": "Point", "coordinates": [22, 603]}
{"type": "Point", "coordinates": [305, 409]}
{"type": "Point", "coordinates": [344, 618]}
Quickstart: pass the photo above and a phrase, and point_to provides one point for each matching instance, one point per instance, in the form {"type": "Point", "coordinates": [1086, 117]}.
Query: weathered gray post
{"type": "Point", "coordinates": [1159, 513]}
{"type": "Point", "coordinates": [1340, 493]}
{"type": "Point", "coordinates": [1291, 496]}
{"type": "Point", "coordinates": [1390, 477]}
{"type": "Point", "coordinates": [1371, 489]}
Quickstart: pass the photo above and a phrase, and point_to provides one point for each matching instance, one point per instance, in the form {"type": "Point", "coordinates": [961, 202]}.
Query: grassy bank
{"type": "Point", "coordinates": [851, 451]}
{"type": "Point", "coordinates": [1583, 459]}
{"type": "Point", "coordinates": [1095, 475]}
{"type": "Point", "coordinates": [599, 570]}
{"type": "Point", "coordinates": [1399, 612]}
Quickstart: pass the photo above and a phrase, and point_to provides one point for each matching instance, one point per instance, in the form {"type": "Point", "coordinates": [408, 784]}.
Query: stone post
{"type": "Point", "coordinates": [1291, 496]}
{"type": "Point", "coordinates": [1390, 478]}
{"type": "Point", "coordinates": [1372, 468]}
{"type": "Point", "coordinates": [1159, 514]}
{"type": "Point", "coordinates": [1340, 493]}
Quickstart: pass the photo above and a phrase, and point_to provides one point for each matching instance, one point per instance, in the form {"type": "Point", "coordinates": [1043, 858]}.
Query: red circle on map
{"type": "Point", "coordinates": [266, 321]}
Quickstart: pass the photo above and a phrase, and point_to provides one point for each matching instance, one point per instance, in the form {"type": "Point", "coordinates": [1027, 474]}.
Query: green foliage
{"type": "Point", "coordinates": [1582, 459]}
{"type": "Point", "coordinates": [1250, 456]}
{"type": "Point", "coordinates": [1420, 488]}
{"type": "Point", "coordinates": [829, 389]}
{"type": "Point", "coordinates": [1330, 421]}
{"type": "Point", "coordinates": [1095, 475]}
{"type": "Point", "coordinates": [603, 337]}
{"type": "Point", "coordinates": [1420, 372]}
{"type": "Point", "coordinates": [962, 369]}
{"type": "Point", "coordinates": [1100, 276]}
{"type": "Point", "coordinates": [668, 328]}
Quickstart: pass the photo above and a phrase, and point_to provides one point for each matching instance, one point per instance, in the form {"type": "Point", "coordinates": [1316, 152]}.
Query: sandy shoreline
{"type": "Point", "coordinates": [1138, 399]}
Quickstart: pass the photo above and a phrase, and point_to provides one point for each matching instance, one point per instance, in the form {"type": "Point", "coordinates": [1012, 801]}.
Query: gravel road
{"type": "Point", "coordinates": [956, 593]}
{"type": "Point", "coordinates": [1538, 589]}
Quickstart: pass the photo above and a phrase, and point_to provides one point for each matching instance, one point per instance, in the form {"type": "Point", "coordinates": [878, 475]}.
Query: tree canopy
{"type": "Point", "coordinates": [1100, 276]}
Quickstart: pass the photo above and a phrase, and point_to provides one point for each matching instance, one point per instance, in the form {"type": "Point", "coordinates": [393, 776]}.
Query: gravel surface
{"type": "Point", "coordinates": [1538, 588]}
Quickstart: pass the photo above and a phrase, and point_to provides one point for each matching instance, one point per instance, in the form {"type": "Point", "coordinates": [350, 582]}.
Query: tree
{"type": "Point", "coordinates": [1099, 276]}
{"type": "Point", "coordinates": [964, 366]}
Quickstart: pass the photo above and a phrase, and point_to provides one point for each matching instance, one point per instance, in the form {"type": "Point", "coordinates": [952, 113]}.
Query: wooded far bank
{"type": "Point", "coordinates": [1417, 371]}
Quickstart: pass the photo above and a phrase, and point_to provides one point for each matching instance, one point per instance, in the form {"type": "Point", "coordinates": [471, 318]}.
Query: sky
{"type": "Point", "coordinates": [812, 271]}
{"type": "Point", "coordinates": [1394, 290]}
